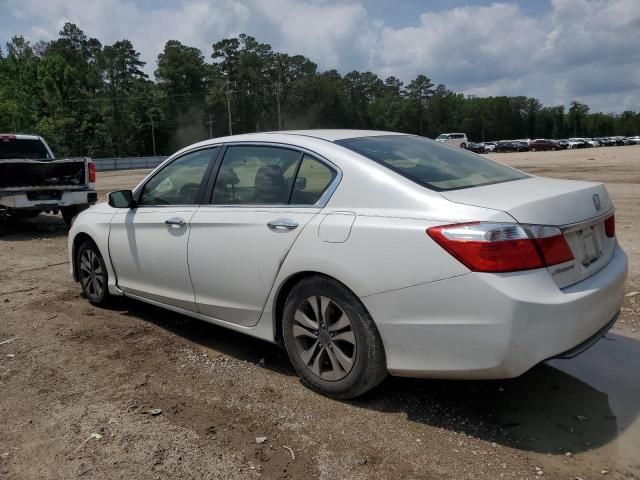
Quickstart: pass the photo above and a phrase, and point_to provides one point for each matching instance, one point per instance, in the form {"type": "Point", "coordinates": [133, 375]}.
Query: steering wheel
{"type": "Point", "coordinates": [188, 192]}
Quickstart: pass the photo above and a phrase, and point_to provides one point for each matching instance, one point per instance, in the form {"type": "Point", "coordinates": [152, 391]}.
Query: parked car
{"type": "Point", "coordinates": [363, 253]}
{"type": "Point", "coordinates": [578, 143]}
{"type": "Point", "coordinates": [605, 141]}
{"type": "Point", "coordinates": [634, 140]}
{"type": "Point", "coordinates": [490, 146]}
{"type": "Point", "coordinates": [592, 142]}
{"type": "Point", "coordinates": [457, 139]}
{"type": "Point", "coordinates": [542, 144]}
{"type": "Point", "coordinates": [477, 147]}
{"type": "Point", "coordinates": [563, 144]}
{"type": "Point", "coordinates": [33, 181]}
{"type": "Point", "coordinates": [504, 146]}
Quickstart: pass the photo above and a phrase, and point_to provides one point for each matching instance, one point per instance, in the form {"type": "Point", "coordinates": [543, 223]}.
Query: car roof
{"type": "Point", "coordinates": [336, 134]}
{"type": "Point", "coordinates": [295, 137]}
{"type": "Point", "coordinates": [323, 134]}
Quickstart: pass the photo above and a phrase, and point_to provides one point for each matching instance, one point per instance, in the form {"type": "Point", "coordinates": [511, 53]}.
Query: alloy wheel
{"type": "Point", "coordinates": [324, 338]}
{"type": "Point", "coordinates": [92, 277]}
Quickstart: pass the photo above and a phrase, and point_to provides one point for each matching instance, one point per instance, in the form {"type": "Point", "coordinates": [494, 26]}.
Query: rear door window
{"type": "Point", "coordinates": [256, 175]}
{"type": "Point", "coordinates": [431, 164]}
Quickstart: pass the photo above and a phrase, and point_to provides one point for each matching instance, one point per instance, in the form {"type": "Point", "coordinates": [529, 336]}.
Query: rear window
{"type": "Point", "coordinates": [431, 164]}
{"type": "Point", "coordinates": [22, 148]}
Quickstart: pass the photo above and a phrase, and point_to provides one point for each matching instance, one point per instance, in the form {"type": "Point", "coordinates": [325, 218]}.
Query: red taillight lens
{"type": "Point", "coordinates": [503, 247]}
{"type": "Point", "coordinates": [92, 172]}
{"type": "Point", "coordinates": [554, 250]}
{"type": "Point", "coordinates": [610, 226]}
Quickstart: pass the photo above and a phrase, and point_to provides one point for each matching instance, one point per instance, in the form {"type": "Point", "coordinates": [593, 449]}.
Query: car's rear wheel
{"type": "Point", "coordinates": [92, 273]}
{"type": "Point", "coordinates": [533, 149]}
{"type": "Point", "coordinates": [331, 339]}
{"type": "Point", "coordinates": [463, 145]}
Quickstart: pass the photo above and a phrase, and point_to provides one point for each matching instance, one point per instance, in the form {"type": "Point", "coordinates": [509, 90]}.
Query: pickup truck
{"type": "Point", "coordinates": [33, 181]}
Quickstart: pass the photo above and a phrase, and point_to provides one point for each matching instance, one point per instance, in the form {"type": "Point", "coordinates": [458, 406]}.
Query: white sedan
{"type": "Point", "coordinates": [363, 253]}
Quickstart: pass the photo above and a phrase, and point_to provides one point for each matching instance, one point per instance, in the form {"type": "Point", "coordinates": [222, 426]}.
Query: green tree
{"type": "Point", "coordinates": [121, 71]}
{"type": "Point", "coordinates": [577, 113]}
{"type": "Point", "coordinates": [182, 77]}
{"type": "Point", "coordinates": [420, 91]}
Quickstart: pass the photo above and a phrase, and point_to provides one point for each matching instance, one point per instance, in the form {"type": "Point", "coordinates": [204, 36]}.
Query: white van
{"type": "Point", "coordinates": [457, 139]}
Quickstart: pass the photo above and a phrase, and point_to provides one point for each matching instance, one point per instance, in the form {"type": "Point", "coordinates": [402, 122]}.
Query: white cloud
{"type": "Point", "coordinates": [579, 49]}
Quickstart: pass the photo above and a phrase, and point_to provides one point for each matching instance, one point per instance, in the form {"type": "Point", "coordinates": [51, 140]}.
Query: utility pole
{"type": "Point", "coordinates": [210, 122]}
{"type": "Point", "coordinates": [278, 102]}
{"type": "Point", "coordinates": [229, 108]}
{"type": "Point", "coordinates": [153, 134]}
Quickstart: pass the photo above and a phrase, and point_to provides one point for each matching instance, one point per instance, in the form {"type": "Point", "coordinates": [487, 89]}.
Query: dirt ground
{"type": "Point", "coordinates": [78, 384]}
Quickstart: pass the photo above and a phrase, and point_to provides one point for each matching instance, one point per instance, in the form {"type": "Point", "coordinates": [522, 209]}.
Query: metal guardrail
{"type": "Point", "coordinates": [126, 163]}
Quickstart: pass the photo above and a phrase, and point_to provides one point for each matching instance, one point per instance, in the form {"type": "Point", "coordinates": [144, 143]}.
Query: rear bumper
{"type": "Point", "coordinates": [482, 326]}
{"type": "Point", "coordinates": [589, 342]}
{"type": "Point", "coordinates": [21, 200]}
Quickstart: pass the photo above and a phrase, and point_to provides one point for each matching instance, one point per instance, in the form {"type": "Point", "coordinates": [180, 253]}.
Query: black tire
{"type": "Point", "coordinates": [463, 145]}
{"type": "Point", "coordinates": [95, 288]}
{"type": "Point", "coordinates": [69, 213]}
{"type": "Point", "coordinates": [368, 367]}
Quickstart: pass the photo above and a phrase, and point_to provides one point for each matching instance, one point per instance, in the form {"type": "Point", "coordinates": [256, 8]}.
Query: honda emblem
{"type": "Point", "coordinates": [596, 202]}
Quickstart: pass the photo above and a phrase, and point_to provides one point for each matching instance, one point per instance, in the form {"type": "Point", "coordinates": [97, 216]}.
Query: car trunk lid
{"type": "Point", "coordinates": [578, 208]}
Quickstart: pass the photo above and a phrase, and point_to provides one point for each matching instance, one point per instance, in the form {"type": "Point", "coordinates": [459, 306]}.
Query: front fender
{"type": "Point", "coordinates": [94, 223]}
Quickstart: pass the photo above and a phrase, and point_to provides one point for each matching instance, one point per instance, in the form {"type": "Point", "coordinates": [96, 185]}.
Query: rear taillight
{"type": "Point", "coordinates": [503, 247]}
{"type": "Point", "coordinates": [610, 226]}
{"type": "Point", "coordinates": [92, 172]}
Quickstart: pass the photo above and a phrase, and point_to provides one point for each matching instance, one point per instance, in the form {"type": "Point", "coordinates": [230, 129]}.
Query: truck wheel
{"type": "Point", "coordinates": [69, 213]}
{"type": "Point", "coordinates": [22, 214]}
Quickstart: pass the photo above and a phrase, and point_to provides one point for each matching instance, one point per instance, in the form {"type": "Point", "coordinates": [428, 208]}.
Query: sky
{"type": "Point", "coordinates": [554, 50]}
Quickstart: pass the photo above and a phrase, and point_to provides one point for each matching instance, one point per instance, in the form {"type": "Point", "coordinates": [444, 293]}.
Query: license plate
{"type": "Point", "coordinates": [591, 248]}
{"type": "Point", "coordinates": [44, 195]}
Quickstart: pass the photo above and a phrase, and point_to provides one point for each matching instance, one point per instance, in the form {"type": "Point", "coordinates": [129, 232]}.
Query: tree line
{"type": "Point", "coordinates": [91, 99]}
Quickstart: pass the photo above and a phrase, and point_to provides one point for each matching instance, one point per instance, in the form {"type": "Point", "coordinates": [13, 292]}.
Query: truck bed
{"type": "Point", "coordinates": [20, 174]}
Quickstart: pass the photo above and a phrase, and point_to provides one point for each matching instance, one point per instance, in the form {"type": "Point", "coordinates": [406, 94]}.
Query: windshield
{"type": "Point", "coordinates": [22, 148]}
{"type": "Point", "coordinates": [433, 165]}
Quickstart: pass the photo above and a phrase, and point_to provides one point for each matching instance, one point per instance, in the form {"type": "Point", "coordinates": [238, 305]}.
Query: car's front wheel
{"type": "Point", "coordinates": [92, 273]}
{"type": "Point", "coordinates": [331, 339]}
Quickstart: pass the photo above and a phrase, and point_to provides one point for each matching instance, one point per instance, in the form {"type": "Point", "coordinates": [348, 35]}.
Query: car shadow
{"type": "Point", "coordinates": [44, 225]}
{"type": "Point", "coordinates": [558, 406]}
{"type": "Point", "coordinates": [212, 337]}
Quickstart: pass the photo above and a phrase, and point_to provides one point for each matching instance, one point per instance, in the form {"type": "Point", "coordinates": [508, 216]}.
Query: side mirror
{"type": "Point", "coordinates": [121, 199]}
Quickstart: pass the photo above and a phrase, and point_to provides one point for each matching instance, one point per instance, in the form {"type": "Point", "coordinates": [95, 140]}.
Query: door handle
{"type": "Point", "coordinates": [175, 222]}
{"type": "Point", "coordinates": [282, 225]}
